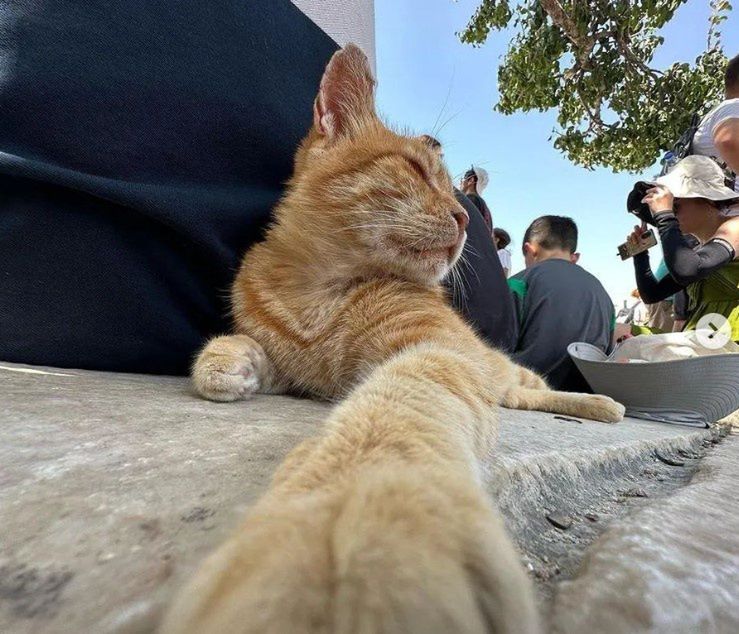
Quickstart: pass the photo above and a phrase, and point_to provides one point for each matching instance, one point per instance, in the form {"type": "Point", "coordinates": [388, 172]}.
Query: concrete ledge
{"type": "Point", "coordinates": [114, 487]}
{"type": "Point", "coordinates": [672, 566]}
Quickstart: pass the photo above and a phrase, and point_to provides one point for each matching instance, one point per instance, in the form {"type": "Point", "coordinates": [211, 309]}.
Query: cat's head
{"type": "Point", "coordinates": [366, 197]}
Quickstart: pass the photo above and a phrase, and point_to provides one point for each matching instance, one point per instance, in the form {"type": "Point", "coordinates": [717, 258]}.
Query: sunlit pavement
{"type": "Point", "coordinates": [113, 487]}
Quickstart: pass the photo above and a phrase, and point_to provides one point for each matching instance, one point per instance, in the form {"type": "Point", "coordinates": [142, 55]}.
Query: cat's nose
{"type": "Point", "coordinates": [462, 219]}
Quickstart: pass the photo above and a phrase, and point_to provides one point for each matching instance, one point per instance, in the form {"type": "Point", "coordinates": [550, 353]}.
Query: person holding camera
{"type": "Point", "coordinates": [693, 199]}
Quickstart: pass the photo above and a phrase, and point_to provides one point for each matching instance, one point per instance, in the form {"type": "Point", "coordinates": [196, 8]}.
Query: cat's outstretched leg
{"type": "Point", "coordinates": [379, 525]}
{"type": "Point", "coordinates": [528, 378]}
{"type": "Point", "coordinates": [593, 406]}
{"type": "Point", "coordinates": [397, 549]}
{"type": "Point", "coordinates": [531, 392]}
{"type": "Point", "coordinates": [232, 367]}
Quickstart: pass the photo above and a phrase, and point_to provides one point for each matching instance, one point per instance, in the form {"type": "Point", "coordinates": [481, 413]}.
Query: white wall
{"type": "Point", "coordinates": [344, 21]}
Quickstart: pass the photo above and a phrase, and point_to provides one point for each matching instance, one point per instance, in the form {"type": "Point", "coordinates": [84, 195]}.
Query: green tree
{"type": "Point", "coordinates": [592, 61]}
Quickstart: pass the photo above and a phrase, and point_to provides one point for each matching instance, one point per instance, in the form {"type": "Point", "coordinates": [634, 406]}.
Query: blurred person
{"type": "Point", "coordinates": [477, 287]}
{"type": "Point", "coordinates": [717, 135]}
{"type": "Point", "coordinates": [680, 300]}
{"type": "Point", "coordinates": [558, 303]}
{"type": "Point", "coordinates": [502, 240]}
{"type": "Point", "coordinates": [680, 310]}
{"type": "Point", "coordinates": [660, 315]}
{"type": "Point", "coordinates": [473, 183]}
{"type": "Point", "coordinates": [639, 312]}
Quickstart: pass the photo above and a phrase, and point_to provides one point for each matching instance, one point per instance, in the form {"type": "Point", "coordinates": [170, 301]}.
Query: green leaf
{"type": "Point", "coordinates": [592, 62]}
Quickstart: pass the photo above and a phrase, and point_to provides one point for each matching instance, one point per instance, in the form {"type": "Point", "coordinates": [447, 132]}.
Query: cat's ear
{"type": "Point", "coordinates": [346, 97]}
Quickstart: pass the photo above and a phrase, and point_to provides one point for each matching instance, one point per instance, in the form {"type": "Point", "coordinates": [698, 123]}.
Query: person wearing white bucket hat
{"type": "Point", "coordinates": [693, 199]}
{"type": "Point", "coordinates": [474, 182]}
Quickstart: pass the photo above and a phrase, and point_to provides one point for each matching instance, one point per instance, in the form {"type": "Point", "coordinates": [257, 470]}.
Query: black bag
{"type": "Point", "coordinates": [683, 146]}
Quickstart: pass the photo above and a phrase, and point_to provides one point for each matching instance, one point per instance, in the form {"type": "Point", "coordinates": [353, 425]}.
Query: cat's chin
{"type": "Point", "coordinates": [428, 266]}
{"type": "Point", "coordinates": [432, 268]}
{"type": "Point", "coordinates": [443, 253]}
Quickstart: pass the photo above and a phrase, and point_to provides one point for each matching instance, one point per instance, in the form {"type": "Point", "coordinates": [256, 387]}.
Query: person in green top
{"type": "Point", "coordinates": [693, 199]}
{"type": "Point", "coordinates": [558, 303]}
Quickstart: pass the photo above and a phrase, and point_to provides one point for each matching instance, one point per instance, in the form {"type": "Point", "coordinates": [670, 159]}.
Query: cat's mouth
{"type": "Point", "coordinates": [433, 254]}
{"type": "Point", "coordinates": [445, 253]}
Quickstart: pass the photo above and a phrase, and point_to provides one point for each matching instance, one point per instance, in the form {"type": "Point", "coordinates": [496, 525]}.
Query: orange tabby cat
{"type": "Point", "coordinates": [380, 524]}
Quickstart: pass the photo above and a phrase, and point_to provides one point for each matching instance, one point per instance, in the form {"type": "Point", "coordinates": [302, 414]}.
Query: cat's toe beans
{"type": "Point", "coordinates": [226, 382]}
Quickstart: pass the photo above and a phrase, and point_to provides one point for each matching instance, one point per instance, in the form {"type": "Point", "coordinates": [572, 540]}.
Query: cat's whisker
{"type": "Point", "coordinates": [449, 120]}
{"type": "Point", "coordinates": [458, 287]}
{"type": "Point", "coordinates": [434, 131]}
{"type": "Point", "coordinates": [470, 250]}
{"type": "Point", "coordinates": [371, 226]}
{"type": "Point", "coordinates": [466, 263]}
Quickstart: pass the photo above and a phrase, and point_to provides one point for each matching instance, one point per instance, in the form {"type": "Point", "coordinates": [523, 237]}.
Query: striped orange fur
{"type": "Point", "coordinates": [380, 524]}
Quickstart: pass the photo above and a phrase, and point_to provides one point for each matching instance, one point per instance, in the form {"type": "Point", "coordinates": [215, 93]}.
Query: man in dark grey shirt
{"type": "Point", "coordinates": [558, 303]}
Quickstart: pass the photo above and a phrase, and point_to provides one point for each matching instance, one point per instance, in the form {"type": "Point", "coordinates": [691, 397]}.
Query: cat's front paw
{"type": "Point", "coordinates": [225, 380]}
{"type": "Point", "coordinates": [602, 408]}
{"type": "Point", "coordinates": [395, 553]}
{"type": "Point", "coordinates": [230, 368]}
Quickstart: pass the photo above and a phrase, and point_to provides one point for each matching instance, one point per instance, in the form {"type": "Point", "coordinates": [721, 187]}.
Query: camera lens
{"type": "Point", "coordinates": [634, 204]}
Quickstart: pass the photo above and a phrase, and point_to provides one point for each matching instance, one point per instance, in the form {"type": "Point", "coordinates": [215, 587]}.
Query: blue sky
{"type": "Point", "coordinates": [422, 68]}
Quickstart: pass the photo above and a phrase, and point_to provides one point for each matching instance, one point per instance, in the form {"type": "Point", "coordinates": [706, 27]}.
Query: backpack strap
{"type": "Point", "coordinates": [695, 122]}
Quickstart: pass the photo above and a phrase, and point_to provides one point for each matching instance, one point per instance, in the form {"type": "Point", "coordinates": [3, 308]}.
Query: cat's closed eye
{"type": "Point", "coordinates": [422, 172]}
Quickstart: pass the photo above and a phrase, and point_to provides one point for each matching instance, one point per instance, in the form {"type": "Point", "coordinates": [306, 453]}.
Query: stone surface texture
{"type": "Point", "coordinates": [671, 567]}
{"type": "Point", "coordinates": [114, 487]}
